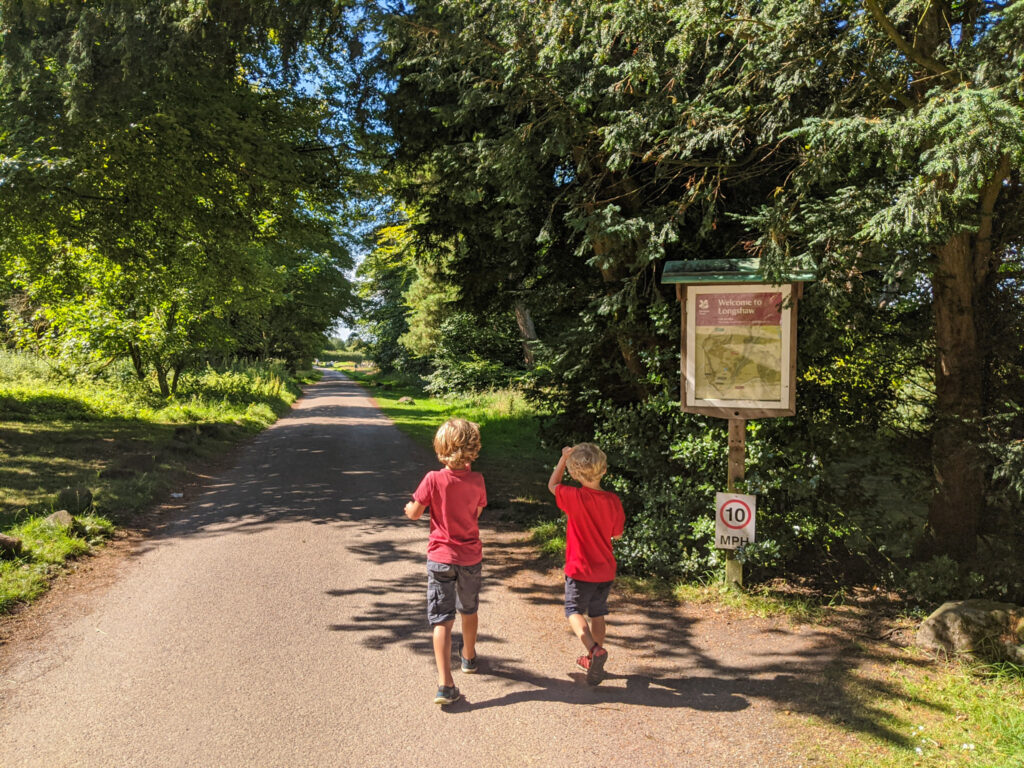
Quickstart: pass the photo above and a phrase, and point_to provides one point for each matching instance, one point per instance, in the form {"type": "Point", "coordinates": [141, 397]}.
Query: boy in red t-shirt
{"type": "Point", "coordinates": [594, 518]}
{"type": "Point", "coordinates": [456, 496]}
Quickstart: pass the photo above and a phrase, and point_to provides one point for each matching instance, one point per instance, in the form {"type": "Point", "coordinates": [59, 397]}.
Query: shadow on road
{"type": "Point", "coordinates": [326, 464]}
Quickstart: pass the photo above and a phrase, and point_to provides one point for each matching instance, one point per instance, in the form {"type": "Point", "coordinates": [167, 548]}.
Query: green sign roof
{"type": "Point", "coordinates": [727, 271]}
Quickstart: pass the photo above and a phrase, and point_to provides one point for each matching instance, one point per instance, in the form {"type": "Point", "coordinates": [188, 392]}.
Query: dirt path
{"type": "Point", "coordinates": [279, 621]}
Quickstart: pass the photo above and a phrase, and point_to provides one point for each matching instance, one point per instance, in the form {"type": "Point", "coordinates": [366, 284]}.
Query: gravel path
{"type": "Point", "coordinates": [279, 621]}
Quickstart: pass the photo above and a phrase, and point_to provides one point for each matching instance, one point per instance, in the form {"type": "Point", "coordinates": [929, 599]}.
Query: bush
{"type": "Point", "coordinates": [239, 383]}
{"type": "Point", "coordinates": [23, 366]}
{"type": "Point", "coordinates": [822, 509]}
{"type": "Point", "coordinates": [935, 580]}
{"type": "Point", "coordinates": [473, 375]}
{"type": "Point", "coordinates": [474, 356]}
{"type": "Point", "coordinates": [663, 464]}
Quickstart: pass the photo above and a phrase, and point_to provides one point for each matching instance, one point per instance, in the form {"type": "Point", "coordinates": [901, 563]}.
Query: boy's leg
{"type": "Point", "coordinates": [441, 615]}
{"type": "Point", "coordinates": [579, 625]}
{"type": "Point", "coordinates": [597, 609]}
{"type": "Point", "coordinates": [467, 602]}
{"type": "Point", "coordinates": [598, 629]}
{"type": "Point", "coordinates": [443, 652]}
{"type": "Point", "coordinates": [470, 622]}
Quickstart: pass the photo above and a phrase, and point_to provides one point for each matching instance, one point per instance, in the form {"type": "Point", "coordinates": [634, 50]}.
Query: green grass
{"type": "Point", "coordinates": [45, 549]}
{"type": "Point", "coordinates": [22, 582]}
{"type": "Point", "coordinates": [761, 600]}
{"type": "Point", "coordinates": [514, 463]}
{"type": "Point", "coordinates": [935, 716]}
{"type": "Point", "coordinates": [114, 436]}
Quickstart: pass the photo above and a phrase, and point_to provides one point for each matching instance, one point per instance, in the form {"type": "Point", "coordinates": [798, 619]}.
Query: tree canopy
{"type": "Point", "coordinates": [173, 177]}
{"type": "Point", "coordinates": [183, 181]}
{"type": "Point", "coordinates": [557, 154]}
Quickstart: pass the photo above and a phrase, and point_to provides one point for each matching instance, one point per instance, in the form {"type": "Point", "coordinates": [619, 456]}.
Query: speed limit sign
{"type": "Point", "coordinates": [734, 519]}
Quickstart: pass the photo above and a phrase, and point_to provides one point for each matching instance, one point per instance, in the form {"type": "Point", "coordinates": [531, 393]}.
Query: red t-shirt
{"type": "Point", "coordinates": [594, 517]}
{"type": "Point", "coordinates": [453, 497]}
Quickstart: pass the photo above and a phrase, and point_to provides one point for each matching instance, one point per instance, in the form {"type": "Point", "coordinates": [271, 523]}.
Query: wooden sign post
{"type": "Point", "coordinates": [737, 468]}
{"type": "Point", "coordinates": [738, 351]}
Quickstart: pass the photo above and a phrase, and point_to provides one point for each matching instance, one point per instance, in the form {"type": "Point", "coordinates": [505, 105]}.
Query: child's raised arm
{"type": "Point", "coordinates": [556, 474]}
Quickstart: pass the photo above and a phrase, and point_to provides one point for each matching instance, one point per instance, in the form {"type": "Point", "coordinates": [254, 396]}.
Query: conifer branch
{"type": "Point", "coordinates": [907, 49]}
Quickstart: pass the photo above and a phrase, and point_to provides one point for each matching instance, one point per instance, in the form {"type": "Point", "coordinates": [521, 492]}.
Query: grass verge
{"type": "Point", "coordinates": [514, 463]}
{"type": "Point", "coordinates": [111, 437]}
{"type": "Point", "coordinates": [914, 713]}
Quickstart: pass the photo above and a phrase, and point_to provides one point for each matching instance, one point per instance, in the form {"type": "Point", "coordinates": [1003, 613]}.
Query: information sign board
{"type": "Point", "coordinates": [738, 350]}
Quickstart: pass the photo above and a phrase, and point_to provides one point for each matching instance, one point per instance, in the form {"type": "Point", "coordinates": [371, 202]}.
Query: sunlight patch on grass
{"type": "Point", "coordinates": [21, 581]}
{"type": "Point", "coordinates": [961, 714]}
{"type": "Point", "coordinates": [549, 537]}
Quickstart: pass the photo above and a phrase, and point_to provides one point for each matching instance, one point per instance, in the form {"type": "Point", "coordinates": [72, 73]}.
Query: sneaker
{"type": "Point", "coordinates": [583, 662]}
{"type": "Point", "coordinates": [447, 694]}
{"type": "Point", "coordinates": [595, 670]}
{"type": "Point", "coordinates": [469, 666]}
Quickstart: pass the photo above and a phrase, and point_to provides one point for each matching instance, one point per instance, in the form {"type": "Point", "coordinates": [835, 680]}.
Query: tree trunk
{"type": "Point", "coordinates": [527, 332]}
{"type": "Point", "coordinates": [161, 379]}
{"type": "Point", "coordinates": [140, 367]}
{"type": "Point", "coordinates": [963, 274]}
{"type": "Point", "coordinates": [957, 458]}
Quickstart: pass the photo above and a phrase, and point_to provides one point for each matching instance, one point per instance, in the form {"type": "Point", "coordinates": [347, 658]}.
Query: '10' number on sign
{"type": "Point", "coordinates": [735, 514]}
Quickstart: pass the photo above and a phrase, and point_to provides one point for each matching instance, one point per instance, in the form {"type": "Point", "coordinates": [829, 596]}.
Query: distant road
{"type": "Point", "coordinates": [280, 621]}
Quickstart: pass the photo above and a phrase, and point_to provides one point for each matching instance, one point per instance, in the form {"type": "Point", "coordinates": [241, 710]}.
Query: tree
{"type": "Point", "coordinates": [174, 152]}
{"type": "Point", "coordinates": [573, 147]}
{"type": "Point", "coordinates": [916, 167]}
{"type": "Point", "coordinates": [384, 276]}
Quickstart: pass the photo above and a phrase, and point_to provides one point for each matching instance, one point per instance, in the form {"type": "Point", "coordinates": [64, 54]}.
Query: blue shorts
{"type": "Point", "coordinates": [451, 588]}
{"type": "Point", "coordinates": [588, 598]}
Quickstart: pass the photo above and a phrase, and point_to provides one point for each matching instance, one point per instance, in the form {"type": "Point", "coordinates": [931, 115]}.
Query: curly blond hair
{"type": "Point", "coordinates": [587, 462]}
{"type": "Point", "coordinates": [457, 443]}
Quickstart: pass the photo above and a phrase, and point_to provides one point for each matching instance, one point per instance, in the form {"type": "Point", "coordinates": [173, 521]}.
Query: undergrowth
{"type": "Point", "coordinates": [116, 437]}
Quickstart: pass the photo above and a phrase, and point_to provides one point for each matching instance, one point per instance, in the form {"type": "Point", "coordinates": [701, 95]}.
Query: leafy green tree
{"type": "Point", "coordinates": [384, 276]}
{"type": "Point", "coordinates": [429, 303]}
{"type": "Point", "coordinates": [913, 168]}
{"type": "Point", "coordinates": [173, 151]}
{"type": "Point", "coordinates": [570, 148]}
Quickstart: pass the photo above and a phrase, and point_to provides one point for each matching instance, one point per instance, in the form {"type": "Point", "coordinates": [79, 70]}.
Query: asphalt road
{"type": "Point", "coordinates": [279, 620]}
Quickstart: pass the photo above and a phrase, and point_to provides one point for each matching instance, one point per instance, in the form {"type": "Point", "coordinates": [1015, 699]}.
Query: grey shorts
{"type": "Point", "coordinates": [451, 588]}
{"type": "Point", "coordinates": [588, 598]}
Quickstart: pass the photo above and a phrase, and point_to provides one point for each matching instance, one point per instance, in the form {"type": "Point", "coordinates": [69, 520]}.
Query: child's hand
{"type": "Point", "coordinates": [556, 474]}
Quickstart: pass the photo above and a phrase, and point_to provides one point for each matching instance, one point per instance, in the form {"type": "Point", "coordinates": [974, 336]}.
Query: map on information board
{"type": "Point", "coordinates": [738, 346]}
